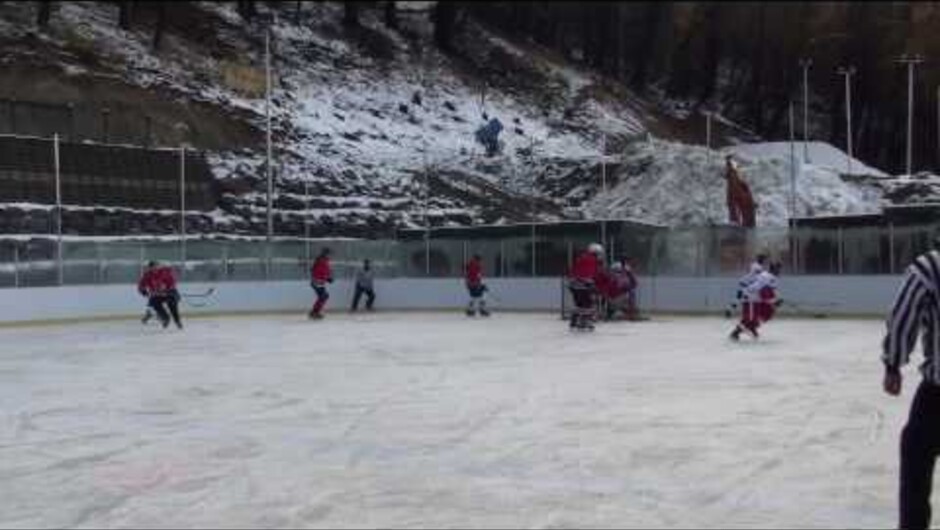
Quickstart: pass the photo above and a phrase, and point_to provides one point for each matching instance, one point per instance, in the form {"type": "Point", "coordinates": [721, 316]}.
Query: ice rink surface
{"type": "Point", "coordinates": [436, 420]}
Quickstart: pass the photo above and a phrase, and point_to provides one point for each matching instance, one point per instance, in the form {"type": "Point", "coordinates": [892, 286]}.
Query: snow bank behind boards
{"type": "Point", "coordinates": [821, 155]}
{"type": "Point", "coordinates": [683, 185]}
{"type": "Point", "coordinates": [831, 295]}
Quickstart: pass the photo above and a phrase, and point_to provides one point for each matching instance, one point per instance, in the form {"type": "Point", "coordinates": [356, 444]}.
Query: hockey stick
{"type": "Point", "coordinates": [206, 294]}
{"type": "Point", "coordinates": [198, 299]}
{"type": "Point", "coordinates": [800, 309]}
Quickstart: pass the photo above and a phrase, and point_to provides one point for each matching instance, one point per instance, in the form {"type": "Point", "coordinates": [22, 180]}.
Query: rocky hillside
{"type": "Point", "coordinates": [374, 126]}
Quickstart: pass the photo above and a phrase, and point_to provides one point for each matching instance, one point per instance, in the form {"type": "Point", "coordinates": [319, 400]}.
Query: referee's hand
{"type": "Point", "coordinates": [892, 383]}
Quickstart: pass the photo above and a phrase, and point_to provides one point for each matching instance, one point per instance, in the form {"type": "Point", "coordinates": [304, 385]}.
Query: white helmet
{"type": "Point", "coordinates": [596, 249]}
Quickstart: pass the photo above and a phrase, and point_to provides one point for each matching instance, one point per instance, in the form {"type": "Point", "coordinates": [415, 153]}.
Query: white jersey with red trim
{"type": "Point", "coordinates": [753, 273]}
{"type": "Point", "coordinates": [762, 289]}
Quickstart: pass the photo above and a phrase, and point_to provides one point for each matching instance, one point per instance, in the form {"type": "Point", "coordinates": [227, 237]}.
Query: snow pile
{"type": "Point", "coordinates": [819, 154]}
{"type": "Point", "coordinates": [920, 188]}
{"type": "Point", "coordinates": [680, 185]}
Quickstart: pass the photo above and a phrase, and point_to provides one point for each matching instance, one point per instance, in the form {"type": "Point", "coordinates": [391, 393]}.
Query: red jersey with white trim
{"type": "Point", "coordinates": [474, 273]}
{"type": "Point", "coordinates": [158, 281]}
{"type": "Point", "coordinates": [321, 272]}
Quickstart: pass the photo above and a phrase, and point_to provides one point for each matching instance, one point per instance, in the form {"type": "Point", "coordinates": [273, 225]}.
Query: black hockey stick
{"type": "Point", "coordinates": [198, 299]}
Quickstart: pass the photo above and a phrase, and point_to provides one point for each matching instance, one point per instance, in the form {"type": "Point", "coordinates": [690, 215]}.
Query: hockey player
{"type": "Point", "coordinates": [757, 266]}
{"type": "Point", "coordinates": [320, 274]}
{"type": "Point", "coordinates": [364, 286]}
{"type": "Point", "coordinates": [621, 295]}
{"type": "Point", "coordinates": [760, 302]}
{"type": "Point", "coordinates": [582, 282]}
{"type": "Point", "coordinates": [158, 284]}
{"type": "Point", "coordinates": [473, 278]}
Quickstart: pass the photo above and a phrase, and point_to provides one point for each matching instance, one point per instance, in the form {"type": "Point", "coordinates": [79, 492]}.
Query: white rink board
{"type": "Point", "coordinates": [434, 420]}
{"type": "Point", "coordinates": [835, 295]}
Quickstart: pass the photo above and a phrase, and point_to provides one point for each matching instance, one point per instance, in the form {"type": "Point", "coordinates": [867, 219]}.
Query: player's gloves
{"type": "Point", "coordinates": [779, 302]}
{"type": "Point", "coordinates": [330, 280]}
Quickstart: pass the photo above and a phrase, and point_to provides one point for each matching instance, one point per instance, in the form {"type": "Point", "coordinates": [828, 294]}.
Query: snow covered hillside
{"type": "Point", "coordinates": [679, 184]}
{"type": "Point", "coordinates": [374, 127]}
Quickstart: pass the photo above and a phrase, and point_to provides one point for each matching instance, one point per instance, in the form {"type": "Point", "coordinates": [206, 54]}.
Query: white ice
{"type": "Point", "coordinates": [435, 420]}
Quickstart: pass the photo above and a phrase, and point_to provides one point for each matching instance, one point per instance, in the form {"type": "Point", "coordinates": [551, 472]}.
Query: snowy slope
{"type": "Point", "coordinates": [820, 155]}
{"type": "Point", "coordinates": [362, 117]}
{"type": "Point", "coordinates": [356, 113]}
{"type": "Point", "coordinates": [678, 184]}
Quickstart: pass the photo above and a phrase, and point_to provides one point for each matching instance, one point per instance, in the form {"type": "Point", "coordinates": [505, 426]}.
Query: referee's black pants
{"type": "Point", "coordinates": [920, 445]}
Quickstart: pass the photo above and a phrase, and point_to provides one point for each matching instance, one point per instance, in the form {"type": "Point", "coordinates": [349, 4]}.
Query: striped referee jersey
{"type": "Point", "coordinates": [916, 310]}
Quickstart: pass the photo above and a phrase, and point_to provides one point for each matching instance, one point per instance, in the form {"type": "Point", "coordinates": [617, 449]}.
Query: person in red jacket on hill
{"type": "Point", "coordinates": [473, 277]}
{"type": "Point", "coordinates": [158, 284]}
{"type": "Point", "coordinates": [582, 282]}
{"type": "Point", "coordinates": [320, 274]}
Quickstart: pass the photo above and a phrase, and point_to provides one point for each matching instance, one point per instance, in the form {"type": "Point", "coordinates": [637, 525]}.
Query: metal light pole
{"type": "Point", "coordinates": [938, 125]}
{"type": "Point", "coordinates": [532, 188]}
{"type": "Point", "coordinates": [183, 211]}
{"type": "Point", "coordinates": [910, 61]}
{"type": "Point", "coordinates": [58, 208]}
{"type": "Point", "coordinates": [604, 187]}
{"type": "Point", "coordinates": [805, 64]}
{"type": "Point", "coordinates": [307, 219]}
{"type": "Point", "coordinates": [269, 170]}
{"type": "Point", "coordinates": [848, 72]}
{"type": "Point", "coordinates": [792, 167]}
{"type": "Point", "coordinates": [708, 155]}
{"type": "Point", "coordinates": [427, 217]}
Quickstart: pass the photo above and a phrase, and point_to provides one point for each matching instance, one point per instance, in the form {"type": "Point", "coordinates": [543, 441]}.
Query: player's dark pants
{"type": "Point", "coordinates": [160, 304]}
{"type": "Point", "coordinates": [920, 445]}
{"type": "Point", "coordinates": [322, 297]}
{"type": "Point", "coordinates": [583, 296]}
{"type": "Point", "coordinates": [477, 302]}
{"type": "Point", "coordinates": [370, 297]}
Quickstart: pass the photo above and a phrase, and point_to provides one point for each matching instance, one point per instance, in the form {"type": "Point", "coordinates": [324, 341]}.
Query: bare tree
{"type": "Point", "coordinates": [444, 17]}
{"type": "Point", "coordinates": [43, 14]}
{"type": "Point", "coordinates": [246, 8]}
{"type": "Point", "coordinates": [350, 13]}
{"type": "Point", "coordinates": [124, 14]}
{"type": "Point", "coordinates": [391, 14]}
{"type": "Point", "coordinates": [161, 25]}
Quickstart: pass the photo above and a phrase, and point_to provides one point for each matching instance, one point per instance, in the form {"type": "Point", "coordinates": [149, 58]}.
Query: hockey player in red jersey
{"type": "Point", "coordinates": [621, 291]}
{"type": "Point", "coordinates": [320, 274]}
{"type": "Point", "coordinates": [473, 278]}
{"type": "Point", "coordinates": [760, 302]}
{"type": "Point", "coordinates": [582, 282]}
{"type": "Point", "coordinates": [158, 284]}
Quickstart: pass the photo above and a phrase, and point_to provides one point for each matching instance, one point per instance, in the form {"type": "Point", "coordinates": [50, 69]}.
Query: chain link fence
{"type": "Point", "coordinates": [544, 252]}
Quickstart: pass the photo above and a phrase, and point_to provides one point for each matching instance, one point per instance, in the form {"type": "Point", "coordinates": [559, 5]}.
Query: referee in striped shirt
{"type": "Point", "coordinates": [916, 312]}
